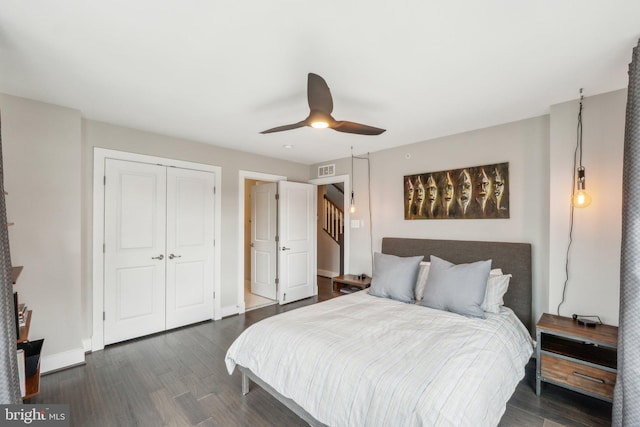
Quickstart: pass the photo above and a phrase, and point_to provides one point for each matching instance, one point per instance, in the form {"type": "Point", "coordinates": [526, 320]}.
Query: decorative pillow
{"type": "Point", "coordinates": [394, 277]}
{"type": "Point", "coordinates": [457, 288]}
{"type": "Point", "coordinates": [497, 286]}
{"type": "Point", "coordinates": [423, 273]}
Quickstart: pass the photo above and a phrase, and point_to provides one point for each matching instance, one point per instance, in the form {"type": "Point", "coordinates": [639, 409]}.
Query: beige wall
{"type": "Point", "coordinates": [41, 150]}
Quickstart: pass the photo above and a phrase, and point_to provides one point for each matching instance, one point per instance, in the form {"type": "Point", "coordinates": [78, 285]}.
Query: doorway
{"type": "Point", "coordinates": [334, 216]}
{"type": "Point", "coordinates": [259, 252]}
{"type": "Point", "coordinates": [247, 180]}
{"type": "Point", "coordinates": [331, 226]}
{"type": "Point", "coordinates": [289, 266]}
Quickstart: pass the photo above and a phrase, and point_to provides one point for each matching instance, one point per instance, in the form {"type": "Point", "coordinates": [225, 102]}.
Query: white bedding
{"type": "Point", "coordinates": [360, 360]}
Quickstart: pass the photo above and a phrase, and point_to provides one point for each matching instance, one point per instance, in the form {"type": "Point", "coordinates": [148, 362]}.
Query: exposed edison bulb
{"type": "Point", "coordinates": [581, 199]}
{"type": "Point", "coordinates": [320, 125]}
{"type": "Point", "coordinates": [352, 206]}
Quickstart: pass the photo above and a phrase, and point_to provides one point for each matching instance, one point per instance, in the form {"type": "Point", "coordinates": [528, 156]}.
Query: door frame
{"type": "Point", "coordinates": [242, 176]}
{"type": "Point", "coordinates": [347, 215]}
{"type": "Point", "coordinates": [99, 157]}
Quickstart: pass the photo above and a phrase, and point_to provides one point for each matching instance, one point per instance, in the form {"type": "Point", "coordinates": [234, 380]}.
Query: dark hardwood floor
{"type": "Point", "coordinates": [179, 378]}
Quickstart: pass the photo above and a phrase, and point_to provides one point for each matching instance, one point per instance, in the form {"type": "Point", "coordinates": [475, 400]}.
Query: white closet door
{"type": "Point", "coordinates": [190, 246]}
{"type": "Point", "coordinates": [135, 224]}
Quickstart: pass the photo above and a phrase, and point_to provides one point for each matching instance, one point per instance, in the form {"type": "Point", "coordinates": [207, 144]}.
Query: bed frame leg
{"type": "Point", "coordinates": [245, 384]}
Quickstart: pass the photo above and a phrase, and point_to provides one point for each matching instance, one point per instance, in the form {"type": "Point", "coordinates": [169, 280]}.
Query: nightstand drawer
{"type": "Point", "coordinates": [580, 376]}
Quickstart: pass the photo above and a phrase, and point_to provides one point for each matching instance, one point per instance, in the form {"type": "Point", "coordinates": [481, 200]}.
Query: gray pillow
{"type": "Point", "coordinates": [457, 288]}
{"type": "Point", "coordinates": [395, 277]}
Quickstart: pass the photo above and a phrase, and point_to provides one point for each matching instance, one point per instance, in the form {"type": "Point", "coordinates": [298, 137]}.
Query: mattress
{"type": "Point", "coordinates": [360, 360]}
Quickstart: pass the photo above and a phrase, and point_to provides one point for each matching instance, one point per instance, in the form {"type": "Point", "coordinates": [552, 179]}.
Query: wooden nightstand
{"type": "Point", "coordinates": [347, 281]}
{"type": "Point", "coordinates": [576, 357]}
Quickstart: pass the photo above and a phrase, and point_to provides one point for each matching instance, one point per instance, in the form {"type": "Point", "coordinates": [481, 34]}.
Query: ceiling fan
{"type": "Point", "coordinates": [321, 106]}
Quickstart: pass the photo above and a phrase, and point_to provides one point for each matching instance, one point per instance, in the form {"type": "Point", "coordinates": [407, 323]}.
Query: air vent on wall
{"type": "Point", "coordinates": [326, 170]}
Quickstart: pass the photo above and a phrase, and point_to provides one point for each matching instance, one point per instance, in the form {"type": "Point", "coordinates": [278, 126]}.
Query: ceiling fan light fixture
{"type": "Point", "coordinates": [319, 119]}
{"type": "Point", "coordinates": [320, 124]}
{"type": "Point", "coordinates": [321, 106]}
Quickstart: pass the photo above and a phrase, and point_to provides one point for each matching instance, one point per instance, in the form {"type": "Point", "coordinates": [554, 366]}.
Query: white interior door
{"type": "Point", "coordinates": [135, 224]}
{"type": "Point", "coordinates": [297, 245]}
{"type": "Point", "coordinates": [190, 246]}
{"type": "Point", "coordinates": [263, 239]}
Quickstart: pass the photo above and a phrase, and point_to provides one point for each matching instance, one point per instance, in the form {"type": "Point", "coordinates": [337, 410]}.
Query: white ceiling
{"type": "Point", "coordinates": [219, 72]}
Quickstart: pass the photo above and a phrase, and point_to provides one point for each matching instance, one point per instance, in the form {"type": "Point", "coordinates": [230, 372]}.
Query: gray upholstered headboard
{"type": "Point", "coordinates": [513, 258]}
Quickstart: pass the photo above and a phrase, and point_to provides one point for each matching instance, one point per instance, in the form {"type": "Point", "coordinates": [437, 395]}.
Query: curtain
{"type": "Point", "coordinates": [626, 407]}
{"type": "Point", "coordinates": [9, 386]}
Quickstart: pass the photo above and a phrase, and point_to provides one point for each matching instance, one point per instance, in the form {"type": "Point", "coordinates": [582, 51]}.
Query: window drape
{"type": "Point", "coordinates": [9, 386]}
{"type": "Point", "coordinates": [626, 399]}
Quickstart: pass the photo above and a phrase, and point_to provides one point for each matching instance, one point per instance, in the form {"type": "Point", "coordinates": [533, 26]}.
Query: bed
{"type": "Point", "coordinates": [363, 360]}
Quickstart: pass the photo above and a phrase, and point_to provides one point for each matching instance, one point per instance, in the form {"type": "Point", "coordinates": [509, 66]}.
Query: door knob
{"type": "Point", "coordinates": [284, 248]}
{"type": "Point", "coordinates": [160, 257]}
{"type": "Point", "coordinates": [172, 256]}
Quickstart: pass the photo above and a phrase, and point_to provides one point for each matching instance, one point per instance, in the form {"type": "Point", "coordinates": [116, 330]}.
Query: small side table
{"type": "Point", "coordinates": [576, 357]}
{"type": "Point", "coordinates": [349, 280]}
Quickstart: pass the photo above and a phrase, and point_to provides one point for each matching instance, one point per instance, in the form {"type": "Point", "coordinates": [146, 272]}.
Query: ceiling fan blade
{"type": "Point", "coordinates": [318, 94]}
{"type": "Point", "coordinates": [286, 127]}
{"type": "Point", "coordinates": [351, 127]}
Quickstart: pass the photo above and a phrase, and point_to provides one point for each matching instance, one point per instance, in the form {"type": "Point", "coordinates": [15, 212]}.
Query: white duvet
{"type": "Point", "coordinates": [360, 360]}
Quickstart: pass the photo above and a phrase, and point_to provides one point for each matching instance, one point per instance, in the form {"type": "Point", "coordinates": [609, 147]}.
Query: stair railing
{"type": "Point", "coordinates": [333, 220]}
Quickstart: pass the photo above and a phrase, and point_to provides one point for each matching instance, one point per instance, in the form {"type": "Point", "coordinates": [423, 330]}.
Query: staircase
{"type": "Point", "coordinates": [330, 210]}
{"type": "Point", "coordinates": [333, 220]}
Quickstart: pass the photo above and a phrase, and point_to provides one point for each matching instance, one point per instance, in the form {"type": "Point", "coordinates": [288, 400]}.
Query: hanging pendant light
{"type": "Point", "coordinates": [581, 199]}
{"type": "Point", "coordinates": [352, 205]}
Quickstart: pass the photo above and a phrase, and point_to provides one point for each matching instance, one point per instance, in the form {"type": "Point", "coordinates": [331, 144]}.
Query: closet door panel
{"type": "Point", "coordinates": [135, 224]}
{"type": "Point", "coordinates": [190, 246]}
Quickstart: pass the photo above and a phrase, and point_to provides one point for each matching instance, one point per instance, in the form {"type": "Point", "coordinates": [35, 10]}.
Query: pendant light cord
{"type": "Point", "coordinates": [579, 130]}
{"type": "Point", "coordinates": [367, 158]}
{"type": "Point", "coordinates": [577, 153]}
